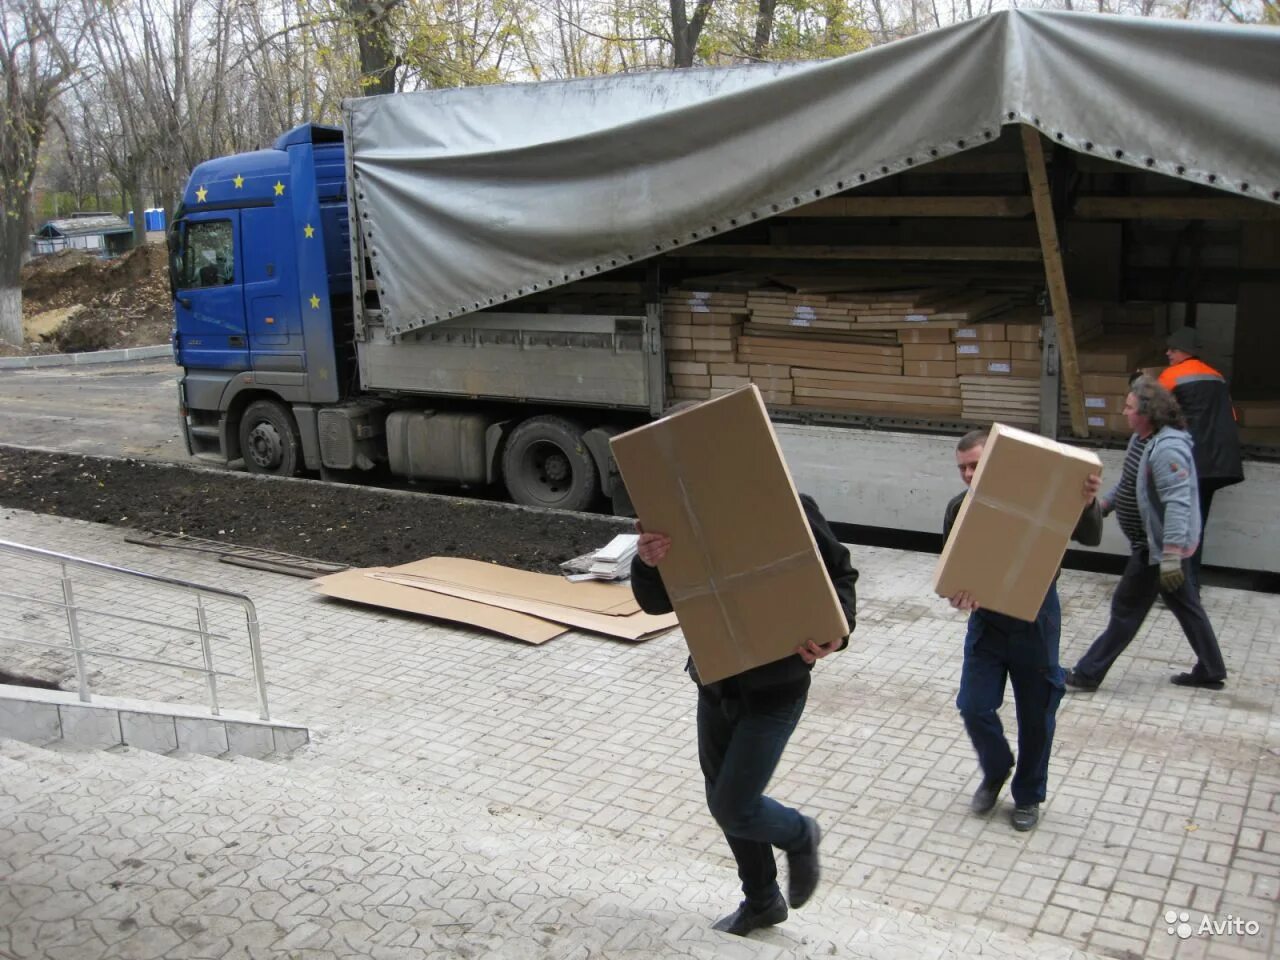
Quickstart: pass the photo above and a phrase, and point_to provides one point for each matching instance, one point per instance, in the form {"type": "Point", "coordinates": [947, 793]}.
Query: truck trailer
{"type": "Point", "coordinates": [469, 285]}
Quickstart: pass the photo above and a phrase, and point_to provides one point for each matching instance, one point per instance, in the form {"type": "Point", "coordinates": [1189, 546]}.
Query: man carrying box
{"type": "Point", "coordinates": [997, 647]}
{"type": "Point", "coordinates": [744, 723]}
{"type": "Point", "coordinates": [1156, 504]}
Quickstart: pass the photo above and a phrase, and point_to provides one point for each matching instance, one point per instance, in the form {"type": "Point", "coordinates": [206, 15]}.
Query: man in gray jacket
{"type": "Point", "coordinates": [1156, 504]}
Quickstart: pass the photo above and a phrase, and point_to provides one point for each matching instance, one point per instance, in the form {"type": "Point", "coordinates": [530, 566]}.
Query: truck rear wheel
{"type": "Point", "coordinates": [269, 439]}
{"type": "Point", "coordinates": [547, 464]}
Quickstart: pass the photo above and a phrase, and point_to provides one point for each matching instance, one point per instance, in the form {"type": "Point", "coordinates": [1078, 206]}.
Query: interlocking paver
{"type": "Point", "coordinates": [466, 794]}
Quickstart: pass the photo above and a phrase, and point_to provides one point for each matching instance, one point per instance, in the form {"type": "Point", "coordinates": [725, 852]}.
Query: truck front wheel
{"type": "Point", "coordinates": [269, 439]}
{"type": "Point", "coordinates": [547, 464]}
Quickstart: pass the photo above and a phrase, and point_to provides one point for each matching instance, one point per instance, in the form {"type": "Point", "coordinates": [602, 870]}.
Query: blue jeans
{"type": "Point", "coordinates": [739, 745]}
{"type": "Point", "coordinates": [997, 647]}
{"type": "Point", "coordinates": [1130, 604]}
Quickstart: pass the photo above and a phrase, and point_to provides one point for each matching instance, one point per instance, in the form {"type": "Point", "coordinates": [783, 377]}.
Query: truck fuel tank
{"type": "Point", "coordinates": [431, 445]}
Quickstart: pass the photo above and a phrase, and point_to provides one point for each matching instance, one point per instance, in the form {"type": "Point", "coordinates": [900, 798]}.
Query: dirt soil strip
{"type": "Point", "coordinates": [359, 526]}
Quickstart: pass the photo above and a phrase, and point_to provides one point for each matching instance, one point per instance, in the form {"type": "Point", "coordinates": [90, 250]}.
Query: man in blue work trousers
{"type": "Point", "coordinates": [998, 647]}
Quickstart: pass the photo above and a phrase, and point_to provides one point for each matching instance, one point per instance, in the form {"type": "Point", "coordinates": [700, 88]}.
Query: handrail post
{"type": "Point", "coordinates": [207, 650]}
{"type": "Point", "coordinates": [255, 650]}
{"type": "Point", "coordinates": [73, 629]}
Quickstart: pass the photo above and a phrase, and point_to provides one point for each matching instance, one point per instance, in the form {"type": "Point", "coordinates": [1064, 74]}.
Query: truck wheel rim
{"type": "Point", "coordinates": [265, 446]}
{"type": "Point", "coordinates": [548, 470]}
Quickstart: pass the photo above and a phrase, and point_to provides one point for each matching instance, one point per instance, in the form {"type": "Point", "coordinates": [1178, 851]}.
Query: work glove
{"type": "Point", "coordinates": [1171, 575]}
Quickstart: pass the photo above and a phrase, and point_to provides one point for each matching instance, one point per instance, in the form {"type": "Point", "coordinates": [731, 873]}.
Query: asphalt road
{"type": "Point", "coordinates": [117, 409]}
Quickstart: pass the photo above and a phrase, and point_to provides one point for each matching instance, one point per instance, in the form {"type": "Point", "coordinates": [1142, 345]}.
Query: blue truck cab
{"type": "Point", "coordinates": [261, 276]}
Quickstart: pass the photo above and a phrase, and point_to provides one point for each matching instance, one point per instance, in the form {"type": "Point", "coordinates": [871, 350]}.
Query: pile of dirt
{"type": "Point", "coordinates": [359, 526]}
{"type": "Point", "coordinates": [123, 301]}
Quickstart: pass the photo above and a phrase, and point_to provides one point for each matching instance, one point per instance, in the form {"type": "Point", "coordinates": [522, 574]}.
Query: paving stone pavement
{"type": "Point", "coordinates": [465, 795]}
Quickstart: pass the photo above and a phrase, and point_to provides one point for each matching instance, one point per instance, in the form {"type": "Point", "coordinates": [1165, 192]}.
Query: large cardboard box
{"type": "Point", "coordinates": [928, 352]}
{"type": "Point", "coordinates": [1009, 538]}
{"type": "Point", "coordinates": [743, 573]}
{"type": "Point", "coordinates": [929, 368]}
{"type": "Point", "coordinates": [982, 349]}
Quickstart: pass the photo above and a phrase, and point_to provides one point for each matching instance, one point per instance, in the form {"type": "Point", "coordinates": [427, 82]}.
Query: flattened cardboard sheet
{"type": "Point", "coordinates": [1013, 528]}
{"type": "Point", "coordinates": [743, 573]}
{"type": "Point", "coordinates": [637, 626]}
{"type": "Point", "coordinates": [611, 598]}
{"type": "Point", "coordinates": [358, 587]}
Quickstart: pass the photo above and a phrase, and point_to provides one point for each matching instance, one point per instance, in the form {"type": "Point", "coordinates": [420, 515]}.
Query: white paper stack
{"type": "Point", "coordinates": [610, 562]}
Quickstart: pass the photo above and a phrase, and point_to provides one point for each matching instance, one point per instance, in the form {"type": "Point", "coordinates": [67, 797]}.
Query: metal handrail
{"type": "Point", "coordinates": [201, 592]}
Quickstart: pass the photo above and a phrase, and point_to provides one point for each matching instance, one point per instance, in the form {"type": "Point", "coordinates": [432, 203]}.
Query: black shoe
{"type": "Point", "coordinates": [802, 866]}
{"type": "Point", "coordinates": [984, 798]}
{"type": "Point", "coordinates": [1192, 680]}
{"type": "Point", "coordinates": [1077, 682]}
{"type": "Point", "coordinates": [747, 918]}
{"type": "Point", "coordinates": [1026, 817]}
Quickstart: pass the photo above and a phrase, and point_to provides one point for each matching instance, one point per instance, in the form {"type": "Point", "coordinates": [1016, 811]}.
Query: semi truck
{"type": "Point", "coordinates": [466, 286]}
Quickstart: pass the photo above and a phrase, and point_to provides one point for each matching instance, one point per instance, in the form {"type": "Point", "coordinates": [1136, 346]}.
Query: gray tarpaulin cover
{"type": "Point", "coordinates": [476, 195]}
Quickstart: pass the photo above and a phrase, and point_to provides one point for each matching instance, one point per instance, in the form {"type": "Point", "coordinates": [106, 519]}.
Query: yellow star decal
{"type": "Point", "coordinates": [308, 231]}
{"type": "Point", "coordinates": [279, 189]}
{"type": "Point", "coordinates": [315, 302]}
{"type": "Point", "coordinates": [238, 181]}
{"type": "Point", "coordinates": [201, 193]}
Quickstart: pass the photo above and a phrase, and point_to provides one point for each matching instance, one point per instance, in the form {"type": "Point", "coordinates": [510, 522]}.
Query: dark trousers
{"type": "Point", "coordinates": [739, 746]}
{"type": "Point", "coordinates": [1207, 489]}
{"type": "Point", "coordinates": [1135, 593]}
{"type": "Point", "coordinates": [997, 647]}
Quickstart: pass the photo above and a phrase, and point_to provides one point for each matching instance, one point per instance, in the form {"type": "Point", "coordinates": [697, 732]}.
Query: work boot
{"type": "Point", "coordinates": [1075, 681]}
{"type": "Point", "coordinates": [1026, 816]}
{"type": "Point", "coordinates": [1193, 679]}
{"type": "Point", "coordinates": [747, 918]}
{"type": "Point", "coordinates": [802, 866]}
{"type": "Point", "coordinates": [984, 798]}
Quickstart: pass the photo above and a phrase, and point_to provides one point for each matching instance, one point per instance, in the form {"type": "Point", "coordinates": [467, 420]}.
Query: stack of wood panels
{"type": "Point", "coordinates": [700, 332]}
{"type": "Point", "coordinates": [1118, 353]}
{"type": "Point", "coordinates": [890, 352]}
{"type": "Point", "coordinates": [1012, 400]}
{"type": "Point", "coordinates": [1104, 396]}
{"type": "Point", "coordinates": [778, 311]}
{"type": "Point", "coordinates": [877, 393]}
{"type": "Point", "coordinates": [931, 305]}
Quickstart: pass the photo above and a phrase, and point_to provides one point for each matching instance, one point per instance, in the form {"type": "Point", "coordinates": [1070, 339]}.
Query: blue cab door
{"type": "Point", "coordinates": [209, 302]}
{"type": "Point", "coordinates": [271, 289]}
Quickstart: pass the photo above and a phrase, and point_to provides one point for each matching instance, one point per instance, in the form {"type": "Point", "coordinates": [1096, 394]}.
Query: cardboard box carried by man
{"type": "Point", "coordinates": [743, 573]}
{"type": "Point", "coordinates": [1012, 531]}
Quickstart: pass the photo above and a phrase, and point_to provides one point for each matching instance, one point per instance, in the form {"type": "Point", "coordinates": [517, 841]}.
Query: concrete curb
{"type": "Point", "coordinates": [82, 359]}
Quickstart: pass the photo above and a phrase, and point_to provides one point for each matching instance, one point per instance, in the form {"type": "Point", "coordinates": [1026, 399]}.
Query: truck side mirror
{"type": "Point", "coordinates": [177, 240]}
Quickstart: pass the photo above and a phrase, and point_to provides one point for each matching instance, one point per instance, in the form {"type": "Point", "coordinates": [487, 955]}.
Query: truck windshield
{"type": "Point", "coordinates": [208, 258]}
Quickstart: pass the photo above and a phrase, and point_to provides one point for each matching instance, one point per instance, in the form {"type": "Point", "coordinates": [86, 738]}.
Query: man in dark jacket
{"type": "Point", "coordinates": [999, 647]}
{"type": "Point", "coordinates": [744, 723]}
{"type": "Point", "coordinates": [1205, 401]}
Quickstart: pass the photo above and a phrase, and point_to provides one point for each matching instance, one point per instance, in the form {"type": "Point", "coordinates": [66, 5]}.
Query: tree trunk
{"type": "Point", "coordinates": [11, 315]}
{"type": "Point", "coordinates": [685, 32]}
{"type": "Point", "coordinates": [13, 248]}
{"type": "Point", "coordinates": [139, 214]}
{"type": "Point", "coordinates": [377, 65]}
{"type": "Point", "coordinates": [681, 52]}
{"type": "Point", "coordinates": [764, 28]}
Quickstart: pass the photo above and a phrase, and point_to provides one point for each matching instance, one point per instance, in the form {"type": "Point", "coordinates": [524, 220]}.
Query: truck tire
{"type": "Point", "coordinates": [547, 464]}
{"type": "Point", "coordinates": [269, 439]}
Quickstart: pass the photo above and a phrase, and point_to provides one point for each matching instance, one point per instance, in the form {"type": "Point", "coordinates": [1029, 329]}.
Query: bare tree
{"type": "Point", "coordinates": [685, 31]}
{"type": "Point", "coordinates": [378, 61]}
{"type": "Point", "coordinates": [39, 47]}
{"type": "Point", "coordinates": [764, 28]}
{"type": "Point", "coordinates": [76, 166]}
